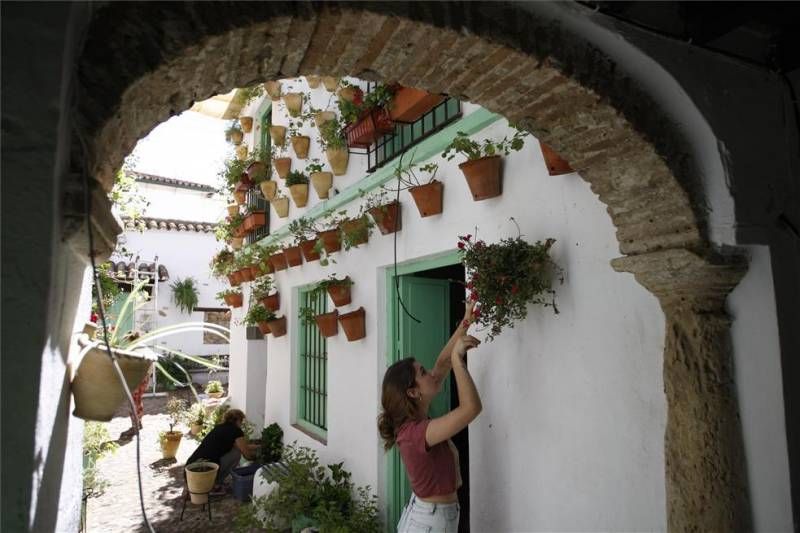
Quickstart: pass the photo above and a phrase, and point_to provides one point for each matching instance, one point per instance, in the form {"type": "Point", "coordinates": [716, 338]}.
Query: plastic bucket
{"type": "Point", "coordinates": [243, 481]}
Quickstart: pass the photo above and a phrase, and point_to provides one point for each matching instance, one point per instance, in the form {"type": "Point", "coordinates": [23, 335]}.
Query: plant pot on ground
{"type": "Point", "coordinates": [170, 442]}
{"type": "Point", "coordinates": [277, 327]}
{"type": "Point", "coordinates": [354, 324]}
{"type": "Point", "coordinates": [281, 206]}
{"type": "Point", "coordinates": [294, 256]}
{"type": "Point", "coordinates": [328, 323]}
{"type": "Point", "coordinates": [278, 135]}
{"type": "Point", "coordinates": [200, 477]}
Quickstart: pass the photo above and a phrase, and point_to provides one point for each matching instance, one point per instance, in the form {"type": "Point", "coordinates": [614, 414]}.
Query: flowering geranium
{"type": "Point", "coordinates": [504, 277]}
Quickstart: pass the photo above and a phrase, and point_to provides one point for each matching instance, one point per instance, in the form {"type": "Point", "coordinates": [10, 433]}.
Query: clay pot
{"type": "Point", "coordinates": [234, 300]}
{"type": "Point", "coordinates": [277, 327]}
{"type": "Point", "coordinates": [273, 89]}
{"type": "Point", "coordinates": [200, 477]}
{"type": "Point", "coordinates": [240, 197]}
{"type": "Point", "coordinates": [322, 117]}
{"type": "Point", "coordinates": [428, 198]}
{"type": "Point", "coordinates": [278, 135]}
{"type": "Point", "coordinates": [237, 242]}
{"type": "Point", "coordinates": [195, 429]}
{"type": "Point", "coordinates": [356, 231]}
{"type": "Point", "coordinates": [170, 443]}
{"type": "Point", "coordinates": [294, 257]}
{"type": "Point", "coordinates": [307, 247]}
{"type": "Point", "coordinates": [281, 206]}
{"type": "Point", "coordinates": [263, 327]}
{"type": "Point", "coordinates": [331, 240]}
{"type": "Point", "coordinates": [294, 103]}
{"type": "Point", "coordinates": [340, 294]}
{"type": "Point", "coordinates": [387, 217]}
{"type": "Point", "coordinates": [369, 128]}
{"type": "Point", "coordinates": [300, 144]}
{"type": "Point", "coordinates": [328, 323]}
{"type": "Point", "coordinates": [299, 193]}
{"type": "Point", "coordinates": [330, 83]}
{"type": "Point", "coordinates": [278, 261]}
{"type": "Point", "coordinates": [241, 152]}
{"type": "Point", "coordinates": [236, 137]}
{"type": "Point", "coordinates": [246, 123]}
{"type": "Point", "coordinates": [268, 188]}
{"type": "Point", "coordinates": [282, 166]}
{"type": "Point", "coordinates": [246, 275]}
{"type": "Point", "coordinates": [349, 93]}
{"type": "Point", "coordinates": [556, 166]}
{"type": "Point", "coordinates": [233, 209]}
{"type": "Point", "coordinates": [337, 159]}
{"type": "Point", "coordinates": [257, 171]}
{"type": "Point", "coordinates": [322, 182]}
{"type": "Point", "coordinates": [483, 177]}
{"type": "Point", "coordinates": [410, 104]}
{"type": "Point", "coordinates": [313, 81]}
{"type": "Point", "coordinates": [234, 279]}
{"type": "Point", "coordinates": [354, 325]}
{"type": "Point", "coordinates": [255, 271]}
{"type": "Point", "coordinates": [272, 302]}
{"type": "Point", "coordinates": [254, 221]}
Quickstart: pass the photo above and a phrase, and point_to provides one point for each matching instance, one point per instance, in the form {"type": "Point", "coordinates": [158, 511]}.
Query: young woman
{"type": "Point", "coordinates": [430, 457]}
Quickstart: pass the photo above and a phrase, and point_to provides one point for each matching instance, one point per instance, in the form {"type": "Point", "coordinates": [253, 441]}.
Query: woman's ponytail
{"type": "Point", "coordinates": [398, 406]}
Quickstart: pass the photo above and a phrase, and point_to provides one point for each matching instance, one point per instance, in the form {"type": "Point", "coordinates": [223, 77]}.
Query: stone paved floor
{"type": "Point", "coordinates": [118, 509]}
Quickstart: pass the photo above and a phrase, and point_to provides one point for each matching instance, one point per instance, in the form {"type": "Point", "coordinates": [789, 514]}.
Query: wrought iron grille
{"type": "Point", "coordinates": [313, 397]}
{"type": "Point", "coordinates": [256, 202]}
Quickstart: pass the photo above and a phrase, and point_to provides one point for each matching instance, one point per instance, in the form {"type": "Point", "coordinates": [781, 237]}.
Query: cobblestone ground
{"type": "Point", "coordinates": [118, 509]}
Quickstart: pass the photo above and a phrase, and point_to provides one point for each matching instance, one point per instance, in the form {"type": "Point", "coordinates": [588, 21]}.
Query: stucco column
{"type": "Point", "coordinates": [706, 483]}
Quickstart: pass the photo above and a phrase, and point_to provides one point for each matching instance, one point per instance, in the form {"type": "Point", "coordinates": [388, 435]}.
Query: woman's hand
{"type": "Point", "coordinates": [463, 344]}
{"type": "Point", "coordinates": [469, 316]}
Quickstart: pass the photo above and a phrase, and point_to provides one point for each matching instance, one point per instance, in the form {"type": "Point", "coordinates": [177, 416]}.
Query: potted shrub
{"type": "Point", "coordinates": [332, 141]}
{"type": "Point", "coordinates": [271, 444]}
{"type": "Point", "coordinates": [507, 276]}
{"type": "Point", "coordinates": [261, 292]}
{"type": "Point", "coordinates": [337, 289]}
{"type": "Point", "coordinates": [330, 83]}
{"type": "Point", "coordinates": [277, 326]}
{"type": "Point", "coordinates": [304, 232]}
{"type": "Point", "coordinates": [260, 316]}
{"type": "Point", "coordinates": [234, 134]}
{"type": "Point", "coordinates": [233, 173]}
{"type": "Point", "coordinates": [242, 263]}
{"type": "Point", "coordinates": [214, 389]}
{"type": "Point", "coordinates": [170, 440]}
{"type": "Point", "coordinates": [556, 165]}
{"type": "Point", "coordinates": [185, 294]}
{"type": "Point", "coordinates": [196, 418]}
{"type": "Point", "coordinates": [385, 212]}
{"type": "Point", "coordinates": [200, 477]}
{"type": "Point", "coordinates": [293, 103]}
{"type": "Point", "coordinates": [278, 135]}
{"type": "Point", "coordinates": [427, 193]}
{"type": "Point", "coordinates": [246, 123]}
{"type": "Point", "coordinates": [329, 234]}
{"type": "Point", "coordinates": [232, 297]}
{"type": "Point", "coordinates": [273, 89]}
{"type": "Point", "coordinates": [300, 143]}
{"type": "Point", "coordinates": [298, 187]}
{"type": "Point", "coordinates": [221, 264]}
{"type": "Point", "coordinates": [322, 181]}
{"type": "Point", "coordinates": [356, 230]}
{"type": "Point", "coordinates": [409, 104]}
{"type": "Point", "coordinates": [313, 81]}
{"type": "Point", "coordinates": [281, 205]}
{"type": "Point", "coordinates": [353, 324]}
{"type": "Point", "coordinates": [482, 168]}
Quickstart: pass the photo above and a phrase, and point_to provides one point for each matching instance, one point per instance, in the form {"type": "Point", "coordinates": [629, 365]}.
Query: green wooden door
{"type": "Point", "coordinates": [429, 301]}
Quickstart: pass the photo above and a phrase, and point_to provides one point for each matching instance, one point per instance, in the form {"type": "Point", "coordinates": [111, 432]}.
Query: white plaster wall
{"type": "Point", "coordinates": [182, 204]}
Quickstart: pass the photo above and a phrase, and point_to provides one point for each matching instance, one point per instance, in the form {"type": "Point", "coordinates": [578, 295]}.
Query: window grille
{"type": "Point", "coordinates": [313, 365]}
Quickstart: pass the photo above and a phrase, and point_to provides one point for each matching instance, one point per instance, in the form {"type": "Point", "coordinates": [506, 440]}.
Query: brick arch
{"type": "Point", "coordinates": [510, 62]}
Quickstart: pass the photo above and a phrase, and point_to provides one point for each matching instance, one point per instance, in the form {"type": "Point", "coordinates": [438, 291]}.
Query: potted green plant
{"type": "Point", "coordinates": [278, 261]}
{"type": "Point", "coordinates": [304, 233]}
{"type": "Point", "coordinates": [258, 315]}
{"type": "Point", "coordinates": [338, 289]}
{"type": "Point", "coordinates": [185, 294]}
{"type": "Point", "coordinates": [428, 192]}
{"type": "Point", "coordinates": [329, 235]}
{"type": "Point", "coordinates": [482, 168]}
{"type": "Point", "coordinates": [298, 187]}
{"type": "Point", "coordinates": [196, 417]}
{"type": "Point", "coordinates": [356, 230]}
{"type": "Point", "coordinates": [234, 134]}
{"type": "Point", "coordinates": [294, 255]}
{"type": "Point", "coordinates": [232, 297]}
{"type": "Point", "coordinates": [322, 181]}
{"type": "Point", "coordinates": [271, 444]}
{"type": "Point", "coordinates": [221, 265]}
{"type": "Point", "coordinates": [277, 325]}
{"type": "Point", "coordinates": [242, 264]}
{"type": "Point", "coordinates": [281, 205]}
{"type": "Point", "coordinates": [333, 142]}
{"type": "Point", "coordinates": [505, 277]}
{"type": "Point", "coordinates": [245, 95]}
{"type": "Point", "coordinates": [214, 389]}
{"type": "Point", "coordinates": [373, 119]}
{"type": "Point", "coordinates": [326, 322]}
{"type": "Point", "coordinates": [300, 143]}
{"type": "Point", "coordinates": [171, 440]}
{"type": "Point", "coordinates": [353, 324]}
{"type": "Point", "coordinates": [253, 219]}
{"type": "Point", "coordinates": [384, 211]}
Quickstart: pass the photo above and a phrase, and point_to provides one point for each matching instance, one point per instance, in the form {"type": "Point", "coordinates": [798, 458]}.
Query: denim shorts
{"type": "Point", "coordinates": [424, 517]}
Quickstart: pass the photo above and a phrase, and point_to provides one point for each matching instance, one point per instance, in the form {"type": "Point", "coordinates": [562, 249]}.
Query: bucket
{"type": "Point", "coordinates": [243, 481]}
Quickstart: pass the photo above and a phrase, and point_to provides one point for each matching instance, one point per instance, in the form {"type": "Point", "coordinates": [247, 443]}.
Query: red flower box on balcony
{"type": "Point", "coordinates": [369, 128]}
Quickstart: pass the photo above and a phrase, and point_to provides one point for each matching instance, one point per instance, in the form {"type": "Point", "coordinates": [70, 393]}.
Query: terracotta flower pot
{"type": "Point", "coordinates": [254, 220]}
{"type": "Point", "coordinates": [357, 231]}
{"type": "Point", "coordinates": [369, 128]}
{"type": "Point", "coordinates": [338, 159]}
{"type": "Point", "coordinates": [322, 182]}
{"type": "Point", "coordinates": [328, 323]}
{"type": "Point", "coordinates": [340, 294]}
{"type": "Point", "coordinates": [282, 166]}
{"type": "Point", "coordinates": [307, 247]}
{"type": "Point", "coordinates": [330, 83]}
{"type": "Point", "coordinates": [277, 327]}
{"type": "Point", "coordinates": [322, 117]}
{"type": "Point", "coordinates": [313, 81]}
{"type": "Point", "coordinates": [234, 279]}
{"type": "Point", "coordinates": [278, 135]}
{"type": "Point", "coordinates": [233, 209]}
{"type": "Point", "coordinates": [331, 240]}
{"type": "Point", "coordinates": [241, 152]}
{"type": "Point", "coordinates": [268, 188]}
{"type": "Point", "coordinates": [255, 271]}
{"type": "Point", "coordinates": [483, 177]}
{"type": "Point", "coordinates": [294, 103]}
{"type": "Point", "coordinates": [294, 257]}
{"type": "Point", "coordinates": [246, 123]}
{"type": "Point", "coordinates": [256, 171]}
{"type": "Point", "coordinates": [240, 196]}
{"type": "Point", "coordinates": [354, 324]}
{"type": "Point", "coordinates": [350, 93]}
{"type": "Point", "coordinates": [236, 137]}
{"type": "Point", "coordinates": [263, 327]}
{"type": "Point", "coordinates": [273, 89]}
{"type": "Point", "coordinates": [272, 302]}
{"type": "Point", "coordinates": [237, 275]}
{"type": "Point", "coordinates": [301, 143]}
{"type": "Point", "coordinates": [170, 443]}
{"type": "Point", "coordinates": [299, 192]}
{"type": "Point", "coordinates": [200, 478]}
{"type": "Point", "coordinates": [410, 104]}
{"type": "Point", "coordinates": [281, 206]}
{"type": "Point", "coordinates": [237, 242]}
{"type": "Point", "coordinates": [234, 300]}
{"type": "Point", "coordinates": [556, 165]}
{"type": "Point", "coordinates": [428, 198]}
{"type": "Point", "coordinates": [278, 261]}
{"type": "Point", "coordinates": [387, 217]}
{"type": "Point", "coordinates": [195, 429]}
{"type": "Point", "coordinates": [246, 274]}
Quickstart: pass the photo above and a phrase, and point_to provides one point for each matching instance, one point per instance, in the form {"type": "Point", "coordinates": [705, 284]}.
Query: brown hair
{"type": "Point", "coordinates": [398, 407]}
{"type": "Point", "coordinates": [233, 416]}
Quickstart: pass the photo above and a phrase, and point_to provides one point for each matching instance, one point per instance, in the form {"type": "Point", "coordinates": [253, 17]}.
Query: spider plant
{"type": "Point", "coordinates": [185, 294]}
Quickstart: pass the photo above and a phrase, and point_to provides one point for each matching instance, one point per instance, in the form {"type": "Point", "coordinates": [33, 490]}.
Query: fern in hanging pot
{"type": "Point", "coordinates": [506, 276]}
{"type": "Point", "coordinates": [185, 294]}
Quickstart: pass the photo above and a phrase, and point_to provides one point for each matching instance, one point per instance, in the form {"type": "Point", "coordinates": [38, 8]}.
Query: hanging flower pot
{"type": "Point", "coordinates": [313, 81]}
{"type": "Point", "coordinates": [330, 83]}
{"type": "Point", "coordinates": [278, 135]}
{"type": "Point", "coordinates": [241, 152]}
{"type": "Point", "coordinates": [246, 275]}
{"type": "Point", "coordinates": [350, 93]}
{"type": "Point", "coordinates": [556, 166]}
{"type": "Point", "coordinates": [233, 209]}
{"type": "Point", "coordinates": [170, 441]}
{"type": "Point", "coordinates": [236, 136]}
{"type": "Point", "coordinates": [428, 198]}
{"type": "Point", "coordinates": [200, 477]}
{"type": "Point", "coordinates": [340, 293]}
{"type": "Point", "coordinates": [281, 206]}
{"type": "Point", "coordinates": [277, 327]}
{"type": "Point", "coordinates": [237, 242]}
{"type": "Point", "coordinates": [278, 261]}
{"type": "Point", "coordinates": [282, 166]}
{"type": "Point", "coordinates": [272, 302]}
{"type": "Point", "coordinates": [483, 177]}
{"type": "Point", "coordinates": [294, 257]}
{"type": "Point", "coordinates": [307, 247]}
{"type": "Point", "coordinates": [294, 103]}
{"type": "Point", "coordinates": [240, 196]}
{"type": "Point", "coordinates": [369, 128]}
{"type": "Point", "coordinates": [254, 220]}
{"type": "Point", "coordinates": [96, 386]}
{"type": "Point", "coordinates": [387, 217]}
{"type": "Point", "coordinates": [338, 159]}
{"type": "Point", "coordinates": [234, 299]}
{"type": "Point", "coordinates": [273, 89]}
{"type": "Point", "coordinates": [321, 117]}
{"type": "Point", "coordinates": [256, 171]}
{"type": "Point", "coordinates": [239, 231]}
{"type": "Point", "coordinates": [331, 240]}
{"type": "Point", "coordinates": [268, 188]}
{"type": "Point", "coordinates": [356, 230]}
{"type": "Point", "coordinates": [410, 104]}
{"type": "Point", "coordinates": [322, 182]}
{"type": "Point", "coordinates": [299, 192]}
{"type": "Point", "coordinates": [263, 327]}
{"type": "Point", "coordinates": [354, 325]}
{"type": "Point", "coordinates": [327, 323]}
{"type": "Point", "coordinates": [301, 143]}
{"type": "Point", "coordinates": [246, 123]}
{"type": "Point", "coordinates": [234, 279]}
{"type": "Point", "coordinates": [255, 271]}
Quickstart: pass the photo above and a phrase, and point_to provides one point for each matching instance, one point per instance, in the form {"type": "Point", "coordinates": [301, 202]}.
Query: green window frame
{"type": "Point", "coordinates": [266, 122]}
{"type": "Point", "coordinates": [312, 356]}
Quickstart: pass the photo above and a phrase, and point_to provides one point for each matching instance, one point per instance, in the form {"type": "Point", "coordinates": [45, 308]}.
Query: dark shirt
{"type": "Point", "coordinates": [217, 443]}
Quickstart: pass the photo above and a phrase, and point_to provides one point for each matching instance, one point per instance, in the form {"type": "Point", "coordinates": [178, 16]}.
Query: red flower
{"type": "Point", "coordinates": [514, 289]}
{"type": "Point", "coordinates": [468, 237]}
{"type": "Point", "coordinates": [498, 301]}
{"type": "Point", "coordinates": [470, 285]}
{"type": "Point", "coordinates": [476, 312]}
{"type": "Point", "coordinates": [473, 296]}
{"type": "Point", "coordinates": [461, 246]}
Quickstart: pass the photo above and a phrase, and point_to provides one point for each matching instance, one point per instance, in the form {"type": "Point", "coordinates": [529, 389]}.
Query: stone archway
{"type": "Point", "coordinates": [508, 60]}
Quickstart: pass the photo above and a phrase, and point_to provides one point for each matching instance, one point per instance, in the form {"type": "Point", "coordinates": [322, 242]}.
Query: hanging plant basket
{"type": "Point", "coordinates": [277, 327]}
{"type": "Point", "coordinates": [328, 323]}
{"type": "Point", "coordinates": [299, 192]}
{"type": "Point", "coordinates": [282, 166]}
{"type": "Point", "coordinates": [273, 89]}
{"type": "Point", "coordinates": [278, 261]}
{"type": "Point", "coordinates": [95, 386]}
{"type": "Point", "coordinates": [236, 137]}
{"type": "Point", "coordinates": [256, 272]}
{"type": "Point", "coordinates": [263, 327]}
{"type": "Point", "coordinates": [483, 177]}
{"type": "Point", "coordinates": [234, 300]}
{"type": "Point", "coordinates": [307, 247]}
{"type": "Point", "coordinates": [241, 152]}
{"type": "Point", "coordinates": [272, 302]}
{"type": "Point", "coordinates": [278, 135]}
{"type": "Point", "coordinates": [369, 128]}
{"type": "Point", "coordinates": [340, 294]}
{"type": "Point", "coordinates": [233, 209]}
{"type": "Point", "coordinates": [357, 231]}
{"type": "Point", "coordinates": [246, 274]}
{"type": "Point", "coordinates": [556, 165]}
{"type": "Point", "coordinates": [387, 217]}
{"type": "Point", "coordinates": [410, 104]}
{"type": "Point", "coordinates": [354, 324]}
{"type": "Point", "coordinates": [428, 198]}
{"type": "Point", "coordinates": [331, 240]}
{"type": "Point", "coordinates": [256, 171]}
{"type": "Point", "coordinates": [268, 188]}
{"type": "Point", "coordinates": [294, 103]}
{"type": "Point", "coordinates": [330, 83]}
{"type": "Point", "coordinates": [313, 81]}
{"type": "Point", "coordinates": [321, 117]}
{"type": "Point", "coordinates": [338, 159]}
{"type": "Point", "coordinates": [281, 206]}
{"type": "Point", "coordinates": [254, 220]}
{"type": "Point", "coordinates": [234, 279]}
{"type": "Point", "coordinates": [237, 242]}
{"type": "Point", "coordinates": [322, 182]}
{"type": "Point", "coordinates": [246, 123]}
{"type": "Point", "coordinates": [200, 477]}
{"type": "Point", "coordinates": [294, 257]}
{"type": "Point", "coordinates": [301, 144]}
{"type": "Point", "coordinates": [240, 196]}
{"type": "Point", "coordinates": [350, 93]}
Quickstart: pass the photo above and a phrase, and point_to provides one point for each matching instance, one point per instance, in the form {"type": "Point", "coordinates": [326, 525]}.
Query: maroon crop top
{"type": "Point", "coordinates": [431, 471]}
